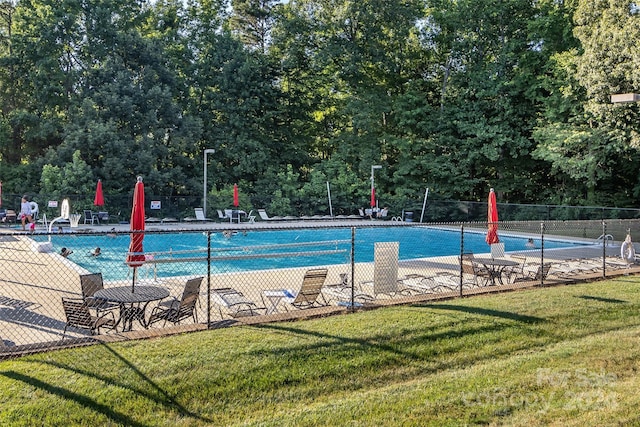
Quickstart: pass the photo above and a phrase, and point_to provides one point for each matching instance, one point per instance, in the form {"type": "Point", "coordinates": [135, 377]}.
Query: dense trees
{"type": "Point", "coordinates": [456, 95]}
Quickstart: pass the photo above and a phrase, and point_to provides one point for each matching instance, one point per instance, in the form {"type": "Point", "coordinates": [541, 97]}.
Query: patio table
{"type": "Point", "coordinates": [495, 267]}
{"type": "Point", "coordinates": [133, 305]}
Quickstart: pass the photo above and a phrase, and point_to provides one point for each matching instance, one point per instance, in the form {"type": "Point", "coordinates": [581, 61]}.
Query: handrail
{"type": "Point", "coordinates": [248, 248]}
{"type": "Point", "coordinates": [247, 256]}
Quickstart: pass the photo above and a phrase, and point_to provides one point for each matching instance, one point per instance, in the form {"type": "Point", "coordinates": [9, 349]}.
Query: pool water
{"type": "Point", "coordinates": [259, 250]}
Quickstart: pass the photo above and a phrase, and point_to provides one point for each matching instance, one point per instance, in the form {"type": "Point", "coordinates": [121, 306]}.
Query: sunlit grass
{"type": "Point", "coordinates": [566, 355]}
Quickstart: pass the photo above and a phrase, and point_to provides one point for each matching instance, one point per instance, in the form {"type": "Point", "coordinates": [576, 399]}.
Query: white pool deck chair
{"type": "Point", "coordinates": [385, 272]}
{"type": "Point", "coordinates": [199, 212]}
{"type": "Point", "coordinates": [385, 278]}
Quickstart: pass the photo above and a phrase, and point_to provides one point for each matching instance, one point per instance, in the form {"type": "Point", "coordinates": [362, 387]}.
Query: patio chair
{"type": "Point", "coordinates": [474, 274]}
{"type": "Point", "coordinates": [235, 303]}
{"type": "Point", "coordinates": [385, 273]}
{"type": "Point", "coordinates": [497, 250]}
{"type": "Point", "coordinates": [221, 215]}
{"type": "Point", "coordinates": [250, 217]}
{"type": "Point", "coordinates": [78, 316]}
{"type": "Point", "coordinates": [90, 284]}
{"type": "Point", "coordinates": [518, 270]}
{"type": "Point", "coordinates": [176, 310]}
{"type": "Point", "coordinates": [90, 217]}
{"type": "Point", "coordinates": [306, 297]}
{"type": "Point", "coordinates": [535, 276]}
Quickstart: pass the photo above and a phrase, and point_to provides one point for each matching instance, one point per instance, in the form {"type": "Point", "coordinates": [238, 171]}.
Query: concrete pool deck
{"type": "Point", "coordinates": [33, 283]}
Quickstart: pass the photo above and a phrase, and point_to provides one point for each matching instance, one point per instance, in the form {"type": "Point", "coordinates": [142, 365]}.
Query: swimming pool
{"type": "Point", "coordinates": [259, 250]}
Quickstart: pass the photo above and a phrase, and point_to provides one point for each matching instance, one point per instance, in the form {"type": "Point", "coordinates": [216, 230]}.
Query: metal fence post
{"type": "Point", "coordinates": [208, 279]}
{"type": "Point", "coordinates": [353, 264]}
{"type": "Point", "coordinates": [461, 253]}
{"type": "Point", "coordinates": [542, 253]}
{"type": "Point", "coordinates": [604, 249]}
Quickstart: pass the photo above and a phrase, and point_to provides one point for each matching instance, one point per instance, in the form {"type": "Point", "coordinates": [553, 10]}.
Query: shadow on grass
{"type": "Point", "coordinates": [69, 395]}
{"type": "Point", "coordinates": [485, 312]}
{"type": "Point", "coordinates": [162, 396]}
{"type": "Point", "coordinates": [391, 343]}
{"type": "Point", "coordinates": [611, 300]}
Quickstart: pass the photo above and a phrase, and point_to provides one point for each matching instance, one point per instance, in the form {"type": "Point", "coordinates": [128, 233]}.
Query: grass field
{"type": "Point", "coordinates": [567, 355]}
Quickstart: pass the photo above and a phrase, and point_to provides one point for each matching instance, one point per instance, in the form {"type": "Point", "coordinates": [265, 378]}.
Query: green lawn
{"type": "Point", "coordinates": [568, 355]}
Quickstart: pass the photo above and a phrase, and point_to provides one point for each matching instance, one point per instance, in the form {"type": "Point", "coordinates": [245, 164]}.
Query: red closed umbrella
{"type": "Point", "coordinates": [373, 197]}
{"type": "Point", "coordinates": [492, 219]}
{"type": "Point", "coordinates": [135, 256]}
{"type": "Point", "coordinates": [236, 201]}
{"type": "Point", "coordinates": [99, 199]}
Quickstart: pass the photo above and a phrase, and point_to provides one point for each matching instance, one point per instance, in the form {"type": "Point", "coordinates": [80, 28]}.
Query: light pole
{"type": "Point", "coordinates": [373, 183]}
{"type": "Point", "coordinates": [204, 198]}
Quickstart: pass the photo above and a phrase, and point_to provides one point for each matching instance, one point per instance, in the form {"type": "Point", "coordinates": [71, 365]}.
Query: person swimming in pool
{"type": "Point", "coordinates": [96, 251]}
{"type": "Point", "coordinates": [530, 244]}
{"type": "Point", "coordinates": [65, 252]}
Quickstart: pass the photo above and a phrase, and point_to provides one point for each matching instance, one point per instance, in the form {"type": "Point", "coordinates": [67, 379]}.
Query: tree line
{"type": "Point", "coordinates": [455, 95]}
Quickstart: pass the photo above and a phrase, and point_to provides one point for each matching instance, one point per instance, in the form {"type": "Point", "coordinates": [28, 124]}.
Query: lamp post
{"type": "Point", "coordinates": [373, 183]}
{"type": "Point", "coordinates": [204, 198]}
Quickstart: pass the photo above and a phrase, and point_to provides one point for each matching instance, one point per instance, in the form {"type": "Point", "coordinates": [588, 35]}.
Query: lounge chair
{"type": "Point", "coordinates": [199, 213]}
{"type": "Point", "coordinates": [79, 316]}
{"type": "Point", "coordinates": [436, 283]}
{"type": "Point", "coordinates": [385, 273]}
{"type": "Point", "coordinates": [90, 284]}
{"type": "Point", "coordinates": [221, 216]}
{"type": "Point", "coordinates": [176, 310]}
{"type": "Point", "coordinates": [306, 297]}
{"type": "Point", "coordinates": [265, 217]}
{"type": "Point", "coordinates": [234, 303]}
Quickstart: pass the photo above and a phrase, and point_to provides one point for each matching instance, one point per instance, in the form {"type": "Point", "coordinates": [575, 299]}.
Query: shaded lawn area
{"type": "Point", "coordinates": [566, 355]}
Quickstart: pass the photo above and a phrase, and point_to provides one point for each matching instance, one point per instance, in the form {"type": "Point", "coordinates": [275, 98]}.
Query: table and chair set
{"type": "Point", "coordinates": [121, 306]}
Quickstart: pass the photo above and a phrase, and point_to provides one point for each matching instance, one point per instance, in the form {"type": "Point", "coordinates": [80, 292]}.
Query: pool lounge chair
{"type": "Point", "coordinates": [199, 213]}
{"type": "Point", "coordinates": [265, 217]}
{"type": "Point", "coordinates": [385, 273]}
{"type": "Point", "coordinates": [234, 303]}
{"type": "Point", "coordinates": [309, 295]}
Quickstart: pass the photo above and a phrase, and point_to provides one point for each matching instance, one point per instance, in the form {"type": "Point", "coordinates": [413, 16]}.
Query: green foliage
{"type": "Point", "coordinates": [455, 96]}
{"type": "Point", "coordinates": [75, 178]}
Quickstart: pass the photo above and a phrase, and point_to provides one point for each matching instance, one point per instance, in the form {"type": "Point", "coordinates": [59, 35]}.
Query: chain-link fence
{"type": "Point", "coordinates": [69, 285]}
{"type": "Point", "coordinates": [415, 209]}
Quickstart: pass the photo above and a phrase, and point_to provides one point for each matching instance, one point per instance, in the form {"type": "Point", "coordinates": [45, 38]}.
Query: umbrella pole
{"type": "Point", "coordinates": [133, 279]}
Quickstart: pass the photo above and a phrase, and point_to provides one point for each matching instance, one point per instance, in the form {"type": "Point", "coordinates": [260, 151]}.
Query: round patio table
{"type": "Point", "coordinates": [496, 267]}
{"type": "Point", "coordinates": [132, 304]}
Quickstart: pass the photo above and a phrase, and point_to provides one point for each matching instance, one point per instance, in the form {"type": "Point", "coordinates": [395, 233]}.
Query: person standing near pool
{"type": "Point", "coordinates": [25, 212]}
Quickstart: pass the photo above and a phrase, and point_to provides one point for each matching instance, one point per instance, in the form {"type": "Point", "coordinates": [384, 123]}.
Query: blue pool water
{"type": "Point", "coordinates": [258, 250]}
